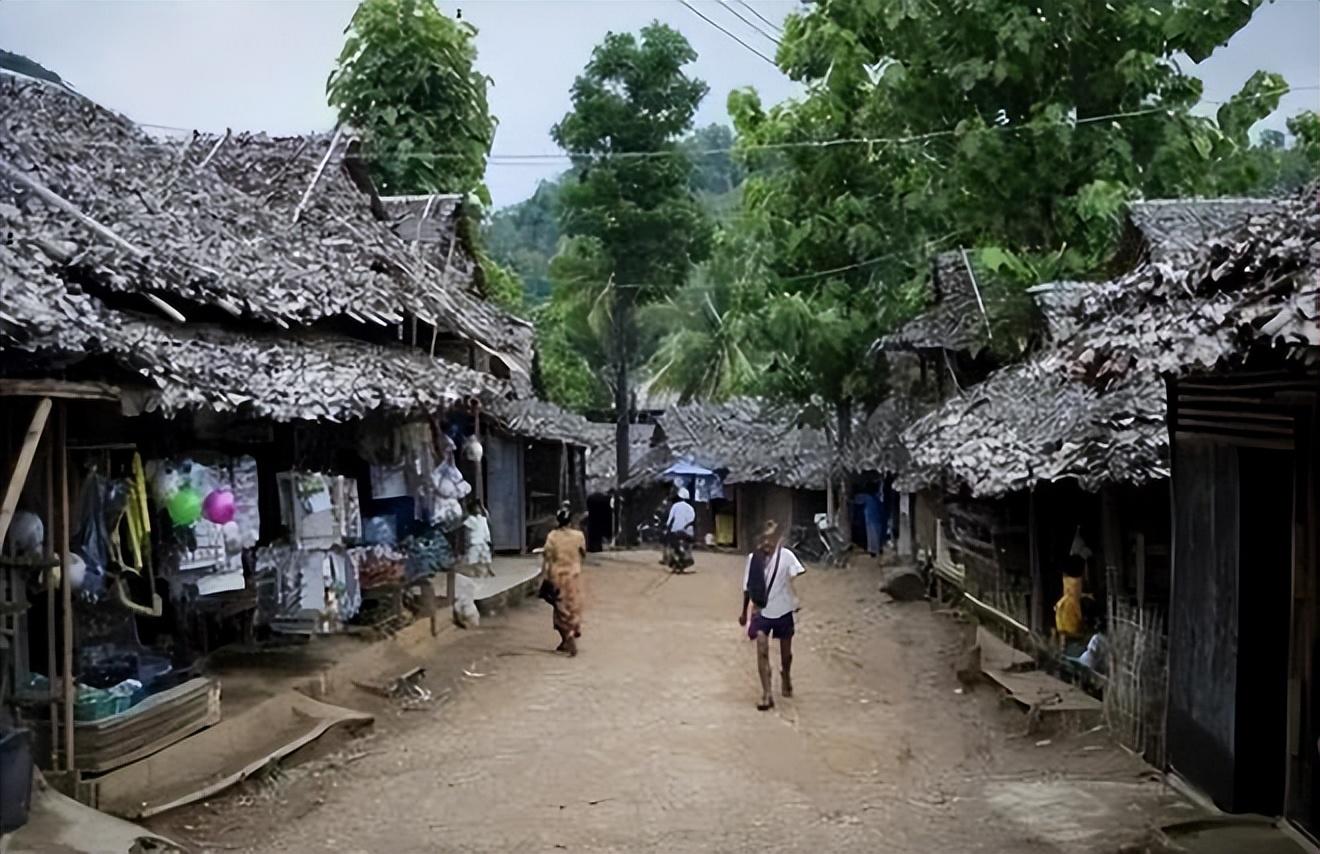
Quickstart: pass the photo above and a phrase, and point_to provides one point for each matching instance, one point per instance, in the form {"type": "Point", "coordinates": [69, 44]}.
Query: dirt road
{"type": "Point", "coordinates": [649, 741]}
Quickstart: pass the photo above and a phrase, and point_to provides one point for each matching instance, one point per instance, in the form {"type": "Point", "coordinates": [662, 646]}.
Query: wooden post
{"type": "Point", "coordinates": [1141, 571]}
{"type": "Point", "coordinates": [1111, 537]}
{"type": "Point", "coordinates": [428, 602]}
{"type": "Point", "coordinates": [18, 477]}
{"type": "Point", "coordinates": [1033, 559]}
{"type": "Point", "coordinates": [51, 663]}
{"type": "Point", "coordinates": [66, 588]}
{"type": "Point", "coordinates": [481, 463]}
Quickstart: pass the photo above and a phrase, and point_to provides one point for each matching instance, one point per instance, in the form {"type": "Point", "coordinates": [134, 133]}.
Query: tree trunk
{"type": "Point", "coordinates": [622, 399]}
{"type": "Point", "coordinates": [843, 413]}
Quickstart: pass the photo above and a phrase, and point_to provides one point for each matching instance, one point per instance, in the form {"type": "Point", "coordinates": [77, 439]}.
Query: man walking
{"type": "Point", "coordinates": [768, 590]}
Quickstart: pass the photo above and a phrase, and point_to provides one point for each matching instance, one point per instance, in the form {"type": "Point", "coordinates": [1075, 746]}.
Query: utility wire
{"type": "Point", "coordinates": [540, 159]}
{"type": "Point", "coordinates": [694, 10]}
{"type": "Point", "coordinates": [768, 22]}
{"type": "Point", "coordinates": [735, 13]}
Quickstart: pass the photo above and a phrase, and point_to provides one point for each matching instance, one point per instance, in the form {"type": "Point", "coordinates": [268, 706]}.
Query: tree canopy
{"type": "Point", "coordinates": [629, 224]}
{"type": "Point", "coordinates": [1018, 130]}
{"type": "Point", "coordinates": [407, 81]}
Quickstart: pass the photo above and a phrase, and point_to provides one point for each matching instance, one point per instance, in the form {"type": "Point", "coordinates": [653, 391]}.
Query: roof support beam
{"type": "Point", "coordinates": [17, 478]}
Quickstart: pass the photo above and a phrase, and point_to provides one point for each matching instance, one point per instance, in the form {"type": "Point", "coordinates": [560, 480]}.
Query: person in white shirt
{"type": "Point", "coordinates": [682, 518]}
{"type": "Point", "coordinates": [680, 531]}
{"type": "Point", "coordinates": [769, 596]}
{"type": "Point", "coordinates": [476, 530]}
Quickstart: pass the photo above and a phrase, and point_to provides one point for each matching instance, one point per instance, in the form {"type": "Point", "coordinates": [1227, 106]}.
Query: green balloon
{"type": "Point", "coordinates": [185, 507]}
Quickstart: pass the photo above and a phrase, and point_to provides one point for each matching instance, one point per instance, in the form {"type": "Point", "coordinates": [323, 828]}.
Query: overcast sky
{"type": "Point", "coordinates": [262, 64]}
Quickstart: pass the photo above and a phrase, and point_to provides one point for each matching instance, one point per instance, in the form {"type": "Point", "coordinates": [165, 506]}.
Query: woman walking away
{"type": "Point", "coordinates": [562, 564]}
{"type": "Point", "coordinates": [768, 589]}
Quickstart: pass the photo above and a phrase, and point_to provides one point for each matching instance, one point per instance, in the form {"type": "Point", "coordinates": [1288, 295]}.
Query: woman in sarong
{"type": "Point", "coordinates": [562, 564]}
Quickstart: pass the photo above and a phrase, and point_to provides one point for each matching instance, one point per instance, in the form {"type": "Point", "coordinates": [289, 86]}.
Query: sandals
{"type": "Point", "coordinates": [766, 704]}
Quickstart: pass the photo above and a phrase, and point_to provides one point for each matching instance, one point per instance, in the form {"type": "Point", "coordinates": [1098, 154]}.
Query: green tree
{"type": "Point", "coordinates": [406, 80]}
{"type": "Point", "coordinates": [525, 236]}
{"type": "Point", "coordinates": [715, 170]}
{"type": "Point", "coordinates": [1018, 129]}
{"type": "Point", "coordinates": [705, 349]}
{"type": "Point", "coordinates": [628, 214]}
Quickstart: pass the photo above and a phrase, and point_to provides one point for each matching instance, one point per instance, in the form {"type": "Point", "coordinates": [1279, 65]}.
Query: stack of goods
{"type": "Point", "coordinates": [379, 566]}
{"type": "Point", "coordinates": [312, 591]}
{"type": "Point", "coordinates": [428, 553]}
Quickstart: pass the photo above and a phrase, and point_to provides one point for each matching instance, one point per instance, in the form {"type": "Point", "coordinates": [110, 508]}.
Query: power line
{"type": "Point", "coordinates": [544, 158]}
{"type": "Point", "coordinates": [734, 12]}
{"type": "Point", "coordinates": [694, 10]}
{"type": "Point", "coordinates": [768, 22]}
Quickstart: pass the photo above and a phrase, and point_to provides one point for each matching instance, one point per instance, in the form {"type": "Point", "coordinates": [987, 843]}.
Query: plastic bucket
{"type": "Point", "coordinates": [15, 778]}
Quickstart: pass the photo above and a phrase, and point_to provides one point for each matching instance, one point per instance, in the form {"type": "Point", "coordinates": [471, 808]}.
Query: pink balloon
{"type": "Point", "coordinates": [219, 506]}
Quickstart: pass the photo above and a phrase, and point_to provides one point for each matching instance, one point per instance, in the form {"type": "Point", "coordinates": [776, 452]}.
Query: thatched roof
{"type": "Point", "coordinates": [283, 376]}
{"type": "Point", "coordinates": [1177, 229]}
{"type": "Point", "coordinates": [876, 444]}
{"type": "Point", "coordinates": [954, 321]}
{"type": "Point", "coordinates": [1256, 286]}
{"type": "Point", "coordinates": [1034, 422]}
{"type": "Point", "coordinates": [1091, 405]}
{"type": "Point", "coordinates": [602, 459]}
{"type": "Point", "coordinates": [543, 420]}
{"type": "Point", "coordinates": [273, 230]}
{"type": "Point", "coordinates": [751, 441]}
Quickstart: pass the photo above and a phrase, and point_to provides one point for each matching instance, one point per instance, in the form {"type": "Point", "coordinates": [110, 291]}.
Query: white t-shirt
{"type": "Point", "coordinates": [780, 599]}
{"type": "Point", "coordinates": [478, 530]}
{"type": "Point", "coordinates": [682, 517]}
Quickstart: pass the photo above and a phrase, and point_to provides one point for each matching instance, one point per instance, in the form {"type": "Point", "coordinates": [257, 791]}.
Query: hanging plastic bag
{"type": "Point", "coordinates": [91, 539]}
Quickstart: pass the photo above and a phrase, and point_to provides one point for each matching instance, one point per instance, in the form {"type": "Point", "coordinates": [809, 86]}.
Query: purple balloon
{"type": "Point", "coordinates": [219, 506]}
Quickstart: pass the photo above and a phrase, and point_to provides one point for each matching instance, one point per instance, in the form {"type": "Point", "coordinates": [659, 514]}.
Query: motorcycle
{"type": "Point", "coordinates": [678, 553]}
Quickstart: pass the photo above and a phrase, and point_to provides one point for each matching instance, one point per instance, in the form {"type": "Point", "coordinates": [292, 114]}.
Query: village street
{"type": "Point", "coordinates": [649, 741]}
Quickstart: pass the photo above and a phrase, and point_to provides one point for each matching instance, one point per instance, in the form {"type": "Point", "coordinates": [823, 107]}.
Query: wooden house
{"type": "Point", "coordinates": [1236, 329]}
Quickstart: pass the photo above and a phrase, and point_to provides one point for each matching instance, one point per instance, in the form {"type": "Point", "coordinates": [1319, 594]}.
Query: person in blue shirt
{"type": "Point", "coordinates": [873, 516]}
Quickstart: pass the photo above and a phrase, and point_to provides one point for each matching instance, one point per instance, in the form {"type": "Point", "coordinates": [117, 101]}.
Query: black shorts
{"type": "Point", "coordinates": [775, 627]}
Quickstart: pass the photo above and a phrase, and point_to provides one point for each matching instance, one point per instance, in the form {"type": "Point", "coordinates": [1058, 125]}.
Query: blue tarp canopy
{"type": "Point", "coordinates": [687, 468]}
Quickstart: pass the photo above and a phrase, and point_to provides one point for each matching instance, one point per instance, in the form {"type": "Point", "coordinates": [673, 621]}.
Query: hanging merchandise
{"type": "Point", "coordinates": [378, 566]}
{"type": "Point", "coordinates": [380, 530]}
{"type": "Point", "coordinates": [184, 506]}
{"type": "Point", "coordinates": [138, 514]}
{"type": "Point", "coordinates": [313, 591]}
{"type": "Point", "coordinates": [218, 506]}
{"type": "Point", "coordinates": [233, 537]}
{"type": "Point", "coordinates": [701, 490]}
{"type": "Point", "coordinates": [26, 537]}
{"type": "Point", "coordinates": [472, 450]}
{"type": "Point", "coordinates": [428, 554]}
{"type": "Point", "coordinates": [320, 510]}
{"type": "Point", "coordinates": [91, 540]}
{"type": "Point", "coordinates": [247, 507]}
{"type": "Point", "coordinates": [389, 481]}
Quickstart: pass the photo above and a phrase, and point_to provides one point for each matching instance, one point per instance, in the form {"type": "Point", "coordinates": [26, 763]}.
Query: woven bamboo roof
{"type": "Point", "coordinates": [270, 230]}
{"type": "Point", "coordinates": [1091, 405]}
